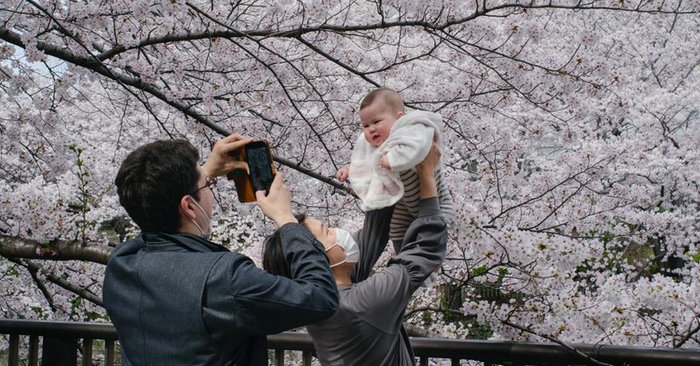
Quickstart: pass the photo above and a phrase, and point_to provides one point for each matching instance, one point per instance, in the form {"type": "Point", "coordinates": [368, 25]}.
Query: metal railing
{"type": "Point", "coordinates": [60, 341]}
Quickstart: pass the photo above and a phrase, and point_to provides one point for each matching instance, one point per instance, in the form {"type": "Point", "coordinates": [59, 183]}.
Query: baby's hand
{"type": "Point", "coordinates": [342, 174]}
{"type": "Point", "coordinates": [384, 162]}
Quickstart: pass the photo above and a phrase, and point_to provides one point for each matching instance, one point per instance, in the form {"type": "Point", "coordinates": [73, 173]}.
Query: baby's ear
{"type": "Point", "coordinates": [399, 114]}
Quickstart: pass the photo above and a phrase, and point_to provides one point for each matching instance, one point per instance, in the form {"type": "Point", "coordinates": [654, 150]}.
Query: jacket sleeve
{"type": "Point", "coordinates": [425, 243]}
{"type": "Point", "coordinates": [372, 240]}
{"type": "Point", "coordinates": [381, 298]}
{"type": "Point", "coordinates": [260, 303]}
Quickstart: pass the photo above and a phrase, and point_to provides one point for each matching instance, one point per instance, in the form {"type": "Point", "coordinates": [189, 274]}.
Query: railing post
{"type": "Point", "coordinates": [306, 357]}
{"type": "Point", "coordinates": [109, 352]}
{"type": "Point", "coordinates": [279, 357]}
{"type": "Point", "coordinates": [59, 352]}
{"type": "Point", "coordinates": [33, 351]}
{"type": "Point", "coordinates": [13, 359]}
{"type": "Point", "coordinates": [87, 352]}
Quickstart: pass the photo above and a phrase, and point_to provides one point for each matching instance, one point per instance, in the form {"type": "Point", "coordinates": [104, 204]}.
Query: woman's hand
{"type": "Point", "coordinates": [426, 172]}
{"type": "Point", "coordinates": [431, 161]}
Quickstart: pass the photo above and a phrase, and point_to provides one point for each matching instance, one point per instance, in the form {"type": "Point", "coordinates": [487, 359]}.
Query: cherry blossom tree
{"type": "Point", "coordinates": [571, 144]}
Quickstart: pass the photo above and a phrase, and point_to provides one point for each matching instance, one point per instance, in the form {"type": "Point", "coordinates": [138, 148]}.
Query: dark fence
{"type": "Point", "coordinates": [66, 342]}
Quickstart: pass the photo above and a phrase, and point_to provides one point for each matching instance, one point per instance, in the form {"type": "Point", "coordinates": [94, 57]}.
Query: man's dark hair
{"type": "Point", "coordinates": [152, 180]}
{"type": "Point", "coordinates": [273, 259]}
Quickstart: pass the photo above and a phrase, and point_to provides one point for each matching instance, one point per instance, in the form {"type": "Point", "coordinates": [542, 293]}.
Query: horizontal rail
{"type": "Point", "coordinates": [528, 352]}
{"type": "Point", "coordinates": [52, 328]}
{"type": "Point", "coordinates": [486, 351]}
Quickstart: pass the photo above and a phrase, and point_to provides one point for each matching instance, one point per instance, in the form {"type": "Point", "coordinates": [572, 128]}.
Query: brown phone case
{"type": "Point", "coordinates": [244, 188]}
{"type": "Point", "coordinates": [240, 177]}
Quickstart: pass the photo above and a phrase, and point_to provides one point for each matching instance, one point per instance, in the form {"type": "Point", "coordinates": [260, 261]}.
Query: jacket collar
{"type": "Point", "coordinates": [189, 242]}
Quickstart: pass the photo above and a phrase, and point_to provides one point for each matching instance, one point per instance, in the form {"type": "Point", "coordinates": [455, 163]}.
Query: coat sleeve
{"type": "Point", "coordinates": [372, 240]}
{"type": "Point", "coordinates": [425, 243]}
{"type": "Point", "coordinates": [260, 303]}
{"type": "Point", "coordinates": [381, 298]}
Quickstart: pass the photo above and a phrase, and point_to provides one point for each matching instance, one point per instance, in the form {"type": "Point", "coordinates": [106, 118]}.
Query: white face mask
{"type": "Point", "coordinates": [206, 234]}
{"type": "Point", "coordinates": [349, 245]}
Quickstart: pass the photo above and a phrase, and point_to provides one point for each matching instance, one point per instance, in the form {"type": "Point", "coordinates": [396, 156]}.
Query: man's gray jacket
{"type": "Point", "coordinates": [177, 299]}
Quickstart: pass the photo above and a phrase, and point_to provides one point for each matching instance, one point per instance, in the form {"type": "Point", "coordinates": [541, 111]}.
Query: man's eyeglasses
{"type": "Point", "coordinates": [210, 182]}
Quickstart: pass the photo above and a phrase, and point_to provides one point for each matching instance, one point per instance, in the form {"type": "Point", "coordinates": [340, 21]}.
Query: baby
{"type": "Point", "coordinates": [382, 166]}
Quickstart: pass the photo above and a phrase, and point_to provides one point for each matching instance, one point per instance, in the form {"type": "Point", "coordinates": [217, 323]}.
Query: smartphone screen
{"type": "Point", "coordinates": [260, 165]}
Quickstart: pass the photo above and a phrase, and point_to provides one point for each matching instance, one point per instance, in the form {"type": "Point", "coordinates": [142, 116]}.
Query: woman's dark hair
{"type": "Point", "coordinates": [152, 180]}
{"type": "Point", "coordinates": [273, 259]}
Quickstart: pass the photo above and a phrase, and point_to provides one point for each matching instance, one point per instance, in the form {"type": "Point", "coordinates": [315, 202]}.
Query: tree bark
{"type": "Point", "coordinates": [14, 247]}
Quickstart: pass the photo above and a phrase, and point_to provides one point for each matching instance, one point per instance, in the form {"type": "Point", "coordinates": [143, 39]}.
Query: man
{"type": "Point", "coordinates": [177, 298]}
{"type": "Point", "coordinates": [366, 329]}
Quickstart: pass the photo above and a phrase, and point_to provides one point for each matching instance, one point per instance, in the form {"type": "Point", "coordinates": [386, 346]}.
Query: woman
{"type": "Point", "coordinates": [366, 329]}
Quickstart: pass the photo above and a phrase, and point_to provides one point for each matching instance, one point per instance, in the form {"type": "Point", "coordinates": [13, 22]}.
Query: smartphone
{"type": "Point", "coordinates": [259, 159]}
{"type": "Point", "coordinates": [262, 171]}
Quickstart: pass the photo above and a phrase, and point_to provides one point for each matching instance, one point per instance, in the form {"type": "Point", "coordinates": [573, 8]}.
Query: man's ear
{"type": "Point", "coordinates": [187, 207]}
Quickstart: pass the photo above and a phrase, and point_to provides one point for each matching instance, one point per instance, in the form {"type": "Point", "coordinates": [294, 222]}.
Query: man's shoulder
{"type": "Point", "coordinates": [128, 247]}
{"type": "Point", "coordinates": [234, 258]}
{"type": "Point", "coordinates": [238, 266]}
{"type": "Point", "coordinates": [185, 253]}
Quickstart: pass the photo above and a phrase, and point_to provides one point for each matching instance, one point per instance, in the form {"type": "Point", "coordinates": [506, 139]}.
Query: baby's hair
{"type": "Point", "coordinates": [391, 97]}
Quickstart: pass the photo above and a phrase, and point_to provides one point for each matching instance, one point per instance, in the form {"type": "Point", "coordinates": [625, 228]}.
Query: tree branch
{"type": "Point", "coordinates": [98, 67]}
{"type": "Point", "coordinates": [686, 337]}
{"type": "Point", "coordinates": [552, 339]}
{"type": "Point", "coordinates": [83, 293]}
{"type": "Point", "coordinates": [62, 250]}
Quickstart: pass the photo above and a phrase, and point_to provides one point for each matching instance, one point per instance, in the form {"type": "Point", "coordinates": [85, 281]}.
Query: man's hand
{"type": "Point", "coordinates": [277, 205]}
{"type": "Point", "coordinates": [220, 160]}
{"type": "Point", "coordinates": [342, 173]}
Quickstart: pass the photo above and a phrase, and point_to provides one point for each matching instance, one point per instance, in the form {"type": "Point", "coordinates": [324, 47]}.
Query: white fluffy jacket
{"type": "Point", "coordinates": [408, 143]}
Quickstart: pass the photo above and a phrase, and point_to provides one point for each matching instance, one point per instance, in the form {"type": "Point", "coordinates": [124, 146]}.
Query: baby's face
{"type": "Point", "coordinates": [377, 120]}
